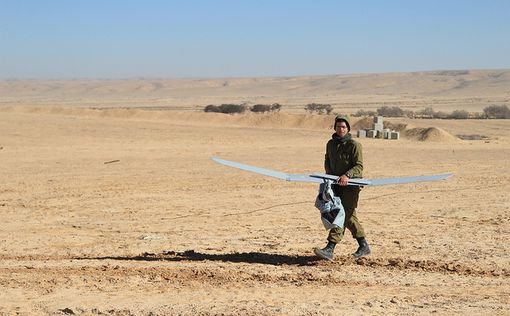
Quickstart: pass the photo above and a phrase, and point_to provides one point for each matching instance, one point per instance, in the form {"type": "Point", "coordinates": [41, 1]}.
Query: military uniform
{"type": "Point", "coordinates": [344, 157]}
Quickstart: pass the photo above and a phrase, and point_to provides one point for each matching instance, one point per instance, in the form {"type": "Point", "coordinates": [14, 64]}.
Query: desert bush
{"type": "Point", "coordinates": [226, 108]}
{"type": "Point", "coordinates": [276, 107]}
{"type": "Point", "coordinates": [478, 116]}
{"type": "Point", "coordinates": [440, 115]}
{"type": "Point", "coordinates": [409, 113]}
{"type": "Point", "coordinates": [319, 108]}
{"type": "Point", "coordinates": [426, 113]}
{"type": "Point", "coordinates": [261, 108]}
{"type": "Point", "coordinates": [211, 108]}
{"type": "Point", "coordinates": [232, 108]}
{"type": "Point", "coordinates": [362, 113]}
{"type": "Point", "coordinates": [459, 115]}
{"type": "Point", "coordinates": [429, 113]}
{"type": "Point", "coordinates": [393, 111]}
{"type": "Point", "coordinates": [497, 112]}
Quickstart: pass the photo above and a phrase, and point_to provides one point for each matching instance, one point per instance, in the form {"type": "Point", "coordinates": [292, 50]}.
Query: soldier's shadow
{"type": "Point", "coordinates": [191, 255]}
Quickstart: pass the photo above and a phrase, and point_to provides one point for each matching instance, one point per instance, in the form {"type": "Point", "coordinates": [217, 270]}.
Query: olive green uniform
{"type": "Point", "coordinates": [344, 156]}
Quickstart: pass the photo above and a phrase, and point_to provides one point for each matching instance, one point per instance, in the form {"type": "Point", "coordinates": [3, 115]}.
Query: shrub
{"type": "Point", "coordinates": [459, 115]}
{"type": "Point", "coordinates": [441, 115]}
{"type": "Point", "coordinates": [319, 108]}
{"type": "Point", "coordinates": [211, 108]}
{"type": "Point", "coordinates": [226, 108]}
{"type": "Point", "coordinates": [429, 113]}
{"type": "Point", "coordinates": [362, 113]}
{"type": "Point", "coordinates": [497, 112]}
{"type": "Point", "coordinates": [261, 108]}
{"type": "Point", "coordinates": [394, 111]}
{"type": "Point", "coordinates": [409, 113]}
{"type": "Point", "coordinates": [479, 116]}
{"type": "Point", "coordinates": [426, 113]}
{"type": "Point", "coordinates": [232, 108]}
{"type": "Point", "coordinates": [276, 107]}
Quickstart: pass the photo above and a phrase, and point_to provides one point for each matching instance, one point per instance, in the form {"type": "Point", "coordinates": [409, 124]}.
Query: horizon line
{"type": "Point", "coordinates": [243, 77]}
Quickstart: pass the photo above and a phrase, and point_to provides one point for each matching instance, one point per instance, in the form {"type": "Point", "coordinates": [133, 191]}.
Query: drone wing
{"type": "Point", "coordinates": [404, 180]}
{"type": "Point", "coordinates": [320, 177]}
{"type": "Point", "coordinates": [269, 172]}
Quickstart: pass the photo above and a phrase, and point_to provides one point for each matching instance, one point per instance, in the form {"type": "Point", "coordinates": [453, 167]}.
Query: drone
{"type": "Point", "coordinates": [321, 177]}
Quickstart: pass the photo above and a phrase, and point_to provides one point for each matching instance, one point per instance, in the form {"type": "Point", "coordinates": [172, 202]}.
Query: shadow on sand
{"type": "Point", "coordinates": [191, 255]}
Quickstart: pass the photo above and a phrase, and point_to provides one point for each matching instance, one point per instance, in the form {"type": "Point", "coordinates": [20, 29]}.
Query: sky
{"type": "Point", "coordinates": [115, 39]}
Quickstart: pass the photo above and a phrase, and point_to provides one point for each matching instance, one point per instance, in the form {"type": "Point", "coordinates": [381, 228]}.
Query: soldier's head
{"type": "Point", "coordinates": [342, 126]}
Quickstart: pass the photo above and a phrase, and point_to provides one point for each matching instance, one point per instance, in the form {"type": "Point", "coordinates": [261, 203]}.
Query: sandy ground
{"type": "Point", "coordinates": [124, 213]}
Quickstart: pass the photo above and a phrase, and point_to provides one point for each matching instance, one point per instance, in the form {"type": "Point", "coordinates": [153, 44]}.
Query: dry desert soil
{"type": "Point", "coordinates": [112, 211]}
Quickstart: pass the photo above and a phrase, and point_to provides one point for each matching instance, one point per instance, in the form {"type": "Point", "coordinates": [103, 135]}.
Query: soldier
{"type": "Point", "coordinates": [344, 158]}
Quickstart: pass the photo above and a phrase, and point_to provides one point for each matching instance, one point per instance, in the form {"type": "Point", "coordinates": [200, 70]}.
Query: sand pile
{"type": "Point", "coordinates": [274, 120]}
{"type": "Point", "coordinates": [429, 134]}
{"type": "Point", "coordinates": [364, 123]}
{"type": "Point", "coordinates": [399, 127]}
{"type": "Point", "coordinates": [271, 120]}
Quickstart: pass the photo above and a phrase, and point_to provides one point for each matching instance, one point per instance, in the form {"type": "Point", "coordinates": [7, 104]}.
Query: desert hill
{"type": "Point", "coordinates": [470, 90]}
{"type": "Point", "coordinates": [411, 129]}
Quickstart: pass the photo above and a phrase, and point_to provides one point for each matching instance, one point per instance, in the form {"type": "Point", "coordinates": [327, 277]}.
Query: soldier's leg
{"type": "Point", "coordinates": [336, 235]}
{"type": "Point", "coordinates": [352, 223]}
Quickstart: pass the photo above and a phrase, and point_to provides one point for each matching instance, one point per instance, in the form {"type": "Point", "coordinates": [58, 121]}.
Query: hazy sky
{"type": "Point", "coordinates": [222, 38]}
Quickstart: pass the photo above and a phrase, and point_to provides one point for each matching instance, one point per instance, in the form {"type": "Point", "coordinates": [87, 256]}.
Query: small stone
{"type": "Point", "coordinates": [67, 311]}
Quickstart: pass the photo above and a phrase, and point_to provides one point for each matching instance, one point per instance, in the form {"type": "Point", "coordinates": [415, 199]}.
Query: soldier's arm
{"type": "Point", "coordinates": [357, 170]}
{"type": "Point", "coordinates": [327, 168]}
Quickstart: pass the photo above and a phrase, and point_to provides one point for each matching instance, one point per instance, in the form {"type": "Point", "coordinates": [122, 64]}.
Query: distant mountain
{"type": "Point", "coordinates": [450, 89]}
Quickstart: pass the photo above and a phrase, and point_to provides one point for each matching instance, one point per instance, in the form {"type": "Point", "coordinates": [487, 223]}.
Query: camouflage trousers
{"type": "Point", "coordinates": [351, 223]}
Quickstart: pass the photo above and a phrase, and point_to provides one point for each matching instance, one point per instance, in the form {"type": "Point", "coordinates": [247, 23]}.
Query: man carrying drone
{"type": "Point", "coordinates": [344, 158]}
{"type": "Point", "coordinates": [340, 186]}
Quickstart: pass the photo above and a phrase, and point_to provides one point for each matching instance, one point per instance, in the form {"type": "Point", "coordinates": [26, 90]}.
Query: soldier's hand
{"type": "Point", "coordinates": [343, 180]}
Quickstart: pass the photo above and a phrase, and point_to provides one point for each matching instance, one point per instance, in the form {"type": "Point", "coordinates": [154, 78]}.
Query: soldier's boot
{"type": "Point", "coordinates": [363, 248]}
{"type": "Point", "coordinates": [326, 252]}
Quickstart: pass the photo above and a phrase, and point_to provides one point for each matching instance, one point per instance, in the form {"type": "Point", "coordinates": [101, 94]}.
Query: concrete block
{"type": "Point", "coordinates": [379, 134]}
{"type": "Point", "coordinates": [362, 133]}
{"type": "Point", "coordinates": [378, 126]}
{"type": "Point", "coordinates": [394, 135]}
{"type": "Point", "coordinates": [371, 133]}
{"type": "Point", "coordinates": [378, 119]}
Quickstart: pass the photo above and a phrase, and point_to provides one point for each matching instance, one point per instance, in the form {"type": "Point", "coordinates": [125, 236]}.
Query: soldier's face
{"type": "Point", "coordinates": [341, 129]}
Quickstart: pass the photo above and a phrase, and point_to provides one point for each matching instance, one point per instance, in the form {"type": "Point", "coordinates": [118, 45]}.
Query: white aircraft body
{"type": "Point", "coordinates": [321, 177]}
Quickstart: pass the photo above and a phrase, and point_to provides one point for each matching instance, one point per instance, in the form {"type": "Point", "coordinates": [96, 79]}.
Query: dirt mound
{"type": "Point", "coordinates": [399, 127]}
{"type": "Point", "coordinates": [270, 120]}
{"type": "Point", "coordinates": [429, 134]}
{"type": "Point", "coordinates": [285, 120]}
{"type": "Point", "coordinates": [364, 123]}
